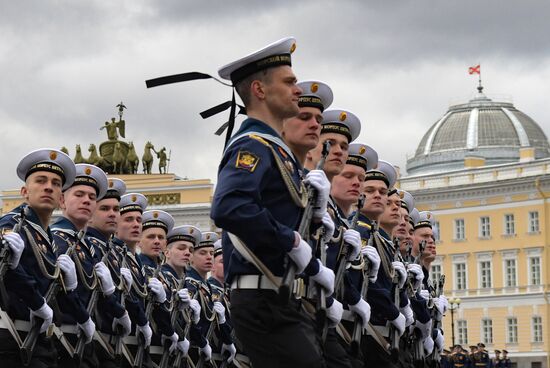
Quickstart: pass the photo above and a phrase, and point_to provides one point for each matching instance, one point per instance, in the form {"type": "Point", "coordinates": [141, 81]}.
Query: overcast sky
{"type": "Point", "coordinates": [64, 65]}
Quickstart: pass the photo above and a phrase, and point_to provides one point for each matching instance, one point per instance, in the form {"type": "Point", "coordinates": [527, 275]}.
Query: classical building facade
{"type": "Point", "coordinates": [483, 169]}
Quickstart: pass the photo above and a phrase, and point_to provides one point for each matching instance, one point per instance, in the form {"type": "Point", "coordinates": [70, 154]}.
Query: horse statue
{"type": "Point", "coordinates": [132, 159]}
{"type": "Point", "coordinates": [147, 158]}
{"type": "Point", "coordinates": [95, 158]}
{"type": "Point", "coordinates": [78, 158]}
{"type": "Point", "coordinates": [65, 150]}
{"type": "Point", "coordinates": [118, 160]}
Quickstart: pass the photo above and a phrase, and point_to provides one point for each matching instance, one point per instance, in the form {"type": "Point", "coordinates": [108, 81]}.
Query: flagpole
{"type": "Point", "coordinates": [479, 87]}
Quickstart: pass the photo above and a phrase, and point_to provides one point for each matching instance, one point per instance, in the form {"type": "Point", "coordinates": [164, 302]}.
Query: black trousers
{"type": "Point", "coordinates": [334, 353]}
{"type": "Point", "coordinates": [274, 335]}
{"type": "Point", "coordinates": [374, 355]}
{"type": "Point", "coordinates": [44, 353]}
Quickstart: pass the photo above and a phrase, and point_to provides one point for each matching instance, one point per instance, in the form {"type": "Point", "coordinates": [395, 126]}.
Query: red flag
{"type": "Point", "coordinates": [475, 69]}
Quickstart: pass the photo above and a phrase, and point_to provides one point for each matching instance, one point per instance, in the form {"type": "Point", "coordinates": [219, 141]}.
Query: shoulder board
{"type": "Point", "coordinates": [364, 224]}
{"type": "Point", "coordinates": [259, 139]}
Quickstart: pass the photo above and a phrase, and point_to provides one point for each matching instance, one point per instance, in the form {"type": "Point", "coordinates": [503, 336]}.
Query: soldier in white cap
{"type": "Point", "coordinates": [258, 198]}
{"type": "Point", "coordinates": [26, 230]}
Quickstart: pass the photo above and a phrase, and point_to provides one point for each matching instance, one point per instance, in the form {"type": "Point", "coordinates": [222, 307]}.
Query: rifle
{"type": "Point", "coordinates": [173, 322]}
{"type": "Point", "coordinates": [138, 361]}
{"type": "Point", "coordinates": [5, 257]}
{"type": "Point", "coordinates": [290, 272]}
{"type": "Point", "coordinates": [209, 333]}
{"type": "Point", "coordinates": [437, 322]}
{"type": "Point", "coordinates": [186, 330]}
{"type": "Point", "coordinates": [394, 334]}
{"type": "Point", "coordinates": [357, 333]}
{"type": "Point", "coordinates": [342, 262]}
{"type": "Point", "coordinates": [27, 348]}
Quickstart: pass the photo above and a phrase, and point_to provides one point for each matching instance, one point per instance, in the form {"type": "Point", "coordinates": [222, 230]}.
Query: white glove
{"type": "Point", "coordinates": [173, 341]}
{"type": "Point", "coordinates": [231, 350]}
{"type": "Point", "coordinates": [334, 313]}
{"type": "Point", "coordinates": [301, 255]}
{"type": "Point", "coordinates": [318, 180]}
{"type": "Point", "coordinates": [45, 313]}
{"type": "Point", "coordinates": [183, 346]}
{"type": "Point", "coordinates": [67, 266]}
{"type": "Point", "coordinates": [16, 244]}
{"type": "Point", "coordinates": [362, 308]}
{"type": "Point", "coordinates": [408, 313]}
{"type": "Point", "coordinates": [399, 268]}
{"type": "Point", "coordinates": [353, 239]}
{"type": "Point", "coordinates": [425, 294]}
{"type": "Point", "coordinates": [184, 298]}
{"type": "Point", "coordinates": [370, 253]}
{"type": "Point", "coordinates": [439, 341]}
{"type": "Point", "coordinates": [444, 303]}
{"type": "Point", "coordinates": [124, 322]}
{"type": "Point", "coordinates": [399, 323]}
{"type": "Point", "coordinates": [196, 311]}
{"type": "Point", "coordinates": [207, 352]}
{"type": "Point", "coordinates": [157, 289]}
{"type": "Point", "coordinates": [220, 311]}
{"type": "Point", "coordinates": [325, 278]}
{"type": "Point", "coordinates": [127, 275]}
{"type": "Point", "coordinates": [416, 271]}
{"type": "Point", "coordinates": [87, 328]}
{"type": "Point", "coordinates": [146, 331]}
{"type": "Point", "coordinates": [104, 275]}
{"type": "Point", "coordinates": [425, 328]}
{"type": "Point", "coordinates": [428, 345]}
{"type": "Point", "coordinates": [328, 224]}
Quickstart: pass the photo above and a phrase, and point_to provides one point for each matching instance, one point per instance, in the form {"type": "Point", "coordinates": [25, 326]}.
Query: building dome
{"type": "Point", "coordinates": [483, 128]}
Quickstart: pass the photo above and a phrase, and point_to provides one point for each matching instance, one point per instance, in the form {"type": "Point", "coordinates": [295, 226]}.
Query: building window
{"type": "Point", "coordinates": [485, 275]}
{"type": "Point", "coordinates": [537, 329]}
{"type": "Point", "coordinates": [534, 270]}
{"type": "Point", "coordinates": [512, 328]}
{"type": "Point", "coordinates": [462, 331]}
{"type": "Point", "coordinates": [460, 276]}
{"type": "Point", "coordinates": [436, 232]}
{"type": "Point", "coordinates": [510, 272]}
{"type": "Point", "coordinates": [459, 229]}
{"type": "Point", "coordinates": [484, 227]}
{"type": "Point", "coordinates": [435, 273]}
{"type": "Point", "coordinates": [509, 225]}
{"type": "Point", "coordinates": [487, 330]}
{"type": "Point", "coordinates": [534, 222]}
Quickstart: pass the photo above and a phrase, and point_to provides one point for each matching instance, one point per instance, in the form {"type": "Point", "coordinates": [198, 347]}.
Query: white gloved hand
{"type": "Point", "coordinates": [318, 180]}
{"type": "Point", "coordinates": [353, 239]}
{"type": "Point", "coordinates": [220, 311]}
{"type": "Point", "coordinates": [329, 226]}
{"type": "Point", "coordinates": [68, 268]}
{"type": "Point", "coordinates": [207, 352]}
{"type": "Point", "coordinates": [325, 278]}
{"type": "Point", "coordinates": [428, 345]}
{"type": "Point", "coordinates": [230, 350]}
{"type": "Point", "coordinates": [371, 254]}
{"type": "Point", "coordinates": [399, 268]}
{"type": "Point", "coordinates": [16, 244]}
{"type": "Point", "coordinates": [334, 313]}
{"type": "Point", "coordinates": [124, 322]}
{"type": "Point", "coordinates": [362, 308]}
{"type": "Point", "coordinates": [408, 313]}
{"type": "Point", "coordinates": [87, 328]}
{"type": "Point", "coordinates": [104, 275]}
{"type": "Point", "coordinates": [399, 323]}
{"type": "Point", "coordinates": [127, 276]}
{"type": "Point", "coordinates": [147, 333]}
{"type": "Point", "coordinates": [184, 298]}
{"type": "Point", "coordinates": [157, 289]}
{"type": "Point", "coordinates": [425, 294]}
{"type": "Point", "coordinates": [425, 328]}
{"type": "Point", "coordinates": [183, 346]}
{"type": "Point", "coordinates": [173, 341]}
{"type": "Point", "coordinates": [196, 311]}
{"type": "Point", "coordinates": [300, 255]}
{"type": "Point", "coordinates": [444, 303]}
{"type": "Point", "coordinates": [439, 340]}
{"type": "Point", "coordinates": [45, 313]}
{"type": "Point", "coordinates": [416, 271]}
